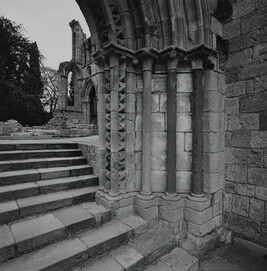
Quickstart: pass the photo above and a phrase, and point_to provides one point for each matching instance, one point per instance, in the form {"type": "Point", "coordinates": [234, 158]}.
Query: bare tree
{"type": "Point", "coordinates": [50, 90]}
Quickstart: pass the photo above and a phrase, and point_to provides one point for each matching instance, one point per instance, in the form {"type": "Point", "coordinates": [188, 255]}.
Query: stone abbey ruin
{"type": "Point", "coordinates": [177, 89]}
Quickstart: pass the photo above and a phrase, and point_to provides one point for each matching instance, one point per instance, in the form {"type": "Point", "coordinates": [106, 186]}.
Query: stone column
{"type": "Point", "coordinates": [101, 125]}
{"type": "Point", "coordinates": [114, 109]}
{"type": "Point", "coordinates": [147, 62]}
{"type": "Point", "coordinates": [197, 123]}
{"type": "Point", "coordinates": [171, 125]}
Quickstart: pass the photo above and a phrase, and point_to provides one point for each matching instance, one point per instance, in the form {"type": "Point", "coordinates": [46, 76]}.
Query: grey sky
{"type": "Point", "coordinates": [47, 23]}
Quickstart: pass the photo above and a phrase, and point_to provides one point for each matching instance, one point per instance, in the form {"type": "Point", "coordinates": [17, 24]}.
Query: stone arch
{"type": "Point", "coordinates": [89, 102]}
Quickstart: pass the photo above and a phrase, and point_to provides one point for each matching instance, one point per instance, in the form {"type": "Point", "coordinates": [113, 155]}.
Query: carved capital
{"type": "Point", "coordinates": [197, 64]}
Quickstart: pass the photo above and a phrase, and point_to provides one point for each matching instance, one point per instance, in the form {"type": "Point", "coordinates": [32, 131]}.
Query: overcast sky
{"type": "Point", "coordinates": [47, 23]}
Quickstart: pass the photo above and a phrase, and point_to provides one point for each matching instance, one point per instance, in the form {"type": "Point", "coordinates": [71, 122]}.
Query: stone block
{"type": "Point", "coordinates": [139, 103]}
{"type": "Point", "coordinates": [158, 141]}
{"type": "Point", "coordinates": [202, 230]}
{"type": "Point", "coordinates": [261, 3]}
{"type": "Point", "coordinates": [7, 249]}
{"type": "Point", "coordinates": [216, 27]}
{"type": "Point", "coordinates": [122, 212]}
{"type": "Point", "coordinates": [217, 196]}
{"type": "Point", "coordinates": [158, 160]}
{"type": "Point", "coordinates": [109, 261]}
{"type": "Point", "coordinates": [183, 181]}
{"type": "Point", "coordinates": [253, 103]}
{"type": "Point", "coordinates": [260, 83]}
{"type": "Point", "coordinates": [158, 180]}
{"type": "Point", "coordinates": [240, 205]}
{"type": "Point", "coordinates": [155, 103]}
{"type": "Point", "coordinates": [258, 139]}
{"type": "Point", "coordinates": [217, 209]}
{"type": "Point", "coordinates": [138, 141]}
{"type": "Point", "coordinates": [251, 158]}
{"type": "Point", "coordinates": [183, 103]}
{"type": "Point", "coordinates": [213, 101]}
{"type": "Point", "coordinates": [230, 187]}
{"type": "Point", "coordinates": [163, 102]}
{"type": "Point", "coordinates": [213, 162]}
{"type": "Point", "coordinates": [184, 82]}
{"type": "Point", "coordinates": [172, 227]}
{"type": "Point", "coordinates": [213, 181]}
{"type": "Point", "coordinates": [138, 225]}
{"type": "Point", "coordinates": [171, 215]}
{"type": "Point", "coordinates": [30, 234]}
{"type": "Point", "coordinates": [178, 259]}
{"type": "Point", "coordinates": [229, 155]}
{"type": "Point", "coordinates": [240, 58]}
{"type": "Point", "coordinates": [261, 193]}
{"type": "Point", "coordinates": [180, 142]}
{"type": "Point", "coordinates": [227, 202]}
{"type": "Point", "coordinates": [184, 122]}
{"type": "Point", "coordinates": [256, 209]}
{"type": "Point", "coordinates": [128, 257]}
{"type": "Point", "coordinates": [146, 213]}
{"type": "Point", "coordinates": [236, 173]}
{"type": "Point", "coordinates": [246, 190]}
{"type": "Point", "coordinates": [9, 211]}
{"type": "Point", "coordinates": [257, 176]}
{"type": "Point", "coordinates": [253, 70]}
{"type": "Point", "coordinates": [213, 122]}
{"type": "Point", "coordinates": [263, 121]}
{"type": "Point", "coordinates": [250, 86]}
{"type": "Point", "coordinates": [159, 266]}
{"type": "Point", "coordinates": [232, 74]}
{"type": "Point", "coordinates": [253, 21]}
{"type": "Point", "coordinates": [211, 80]}
{"type": "Point", "coordinates": [242, 8]}
{"type": "Point", "coordinates": [197, 205]}
{"type": "Point", "coordinates": [159, 83]}
{"type": "Point", "coordinates": [188, 142]}
{"type": "Point", "coordinates": [240, 139]}
{"type": "Point", "coordinates": [232, 29]}
{"type": "Point", "coordinates": [139, 123]}
{"type": "Point", "coordinates": [198, 217]}
{"type": "Point", "coordinates": [243, 122]}
{"type": "Point", "coordinates": [184, 161]}
{"type": "Point", "coordinates": [157, 122]}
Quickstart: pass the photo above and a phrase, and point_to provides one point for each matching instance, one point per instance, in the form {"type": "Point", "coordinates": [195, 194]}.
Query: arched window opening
{"type": "Point", "coordinates": [93, 106]}
{"type": "Point", "coordinates": [71, 83]}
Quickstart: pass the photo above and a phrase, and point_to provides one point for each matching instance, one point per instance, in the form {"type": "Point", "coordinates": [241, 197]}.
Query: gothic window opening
{"type": "Point", "coordinates": [71, 85]}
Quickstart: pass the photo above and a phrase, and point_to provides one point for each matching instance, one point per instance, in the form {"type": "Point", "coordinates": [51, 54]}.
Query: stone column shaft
{"type": "Point", "coordinates": [147, 105]}
{"type": "Point", "coordinates": [101, 126]}
{"type": "Point", "coordinates": [114, 107]}
{"type": "Point", "coordinates": [197, 122]}
{"type": "Point", "coordinates": [171, 125]}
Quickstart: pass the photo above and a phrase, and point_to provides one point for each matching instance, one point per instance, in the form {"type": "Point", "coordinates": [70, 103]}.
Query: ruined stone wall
{"type": "Point", "coordinates": [245, 198]}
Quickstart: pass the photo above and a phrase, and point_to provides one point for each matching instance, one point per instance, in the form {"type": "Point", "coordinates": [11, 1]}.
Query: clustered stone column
{"type": "Point", "coordinates": [197, 126]}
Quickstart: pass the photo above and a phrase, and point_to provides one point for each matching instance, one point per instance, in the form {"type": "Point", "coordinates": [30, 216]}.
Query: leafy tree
{"type": "Point", "coordinates": [20, 76]}
{"type": "Point", "coordinates": [50, 89]}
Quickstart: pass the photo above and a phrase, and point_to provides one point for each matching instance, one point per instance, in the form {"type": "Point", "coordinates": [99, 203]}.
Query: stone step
{"type": "Point", "coordinates": [68, 253]}
{"type": "Point", "coordinates": [35, 163]}
{"type": "Point", "coordinates": [13, 210]}
{"type": "Point", "coordinates": [135, 255]}
{"type": "Point", "coordinates": [23, 190]}
{"type": "Point", "coordinates": [36, 146]}
{"type": "Point", "coordinates": [30, 154]}
{"type": "Point", "coordinates": [176, 260]}
{"type": "Point", "coordinates": [34, 175]}
{"type": "Point", "coordinates": [36, 232]}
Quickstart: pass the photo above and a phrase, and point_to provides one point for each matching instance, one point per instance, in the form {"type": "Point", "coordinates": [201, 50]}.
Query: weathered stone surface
{"type": "Point", "coordinates": [158, 180]}
{"type": "Point", "coordinates": [159, 83]}
{"type": "Point", "coordinates": [246, 190]}
{"type": "Point", "coordinates": [106, 237]}
{"type": "Point", "coordinates": [253, 70]}
{"type": "Point", "coordinates": [188, 141]}
{"type": "Point", "coordinates": [152, 244]}
{"type": "Point", "coordinates": [213, 162]}
{"type": "Point", "coordinates": [217, 196]}
{"type": "Point", "coordinates": [257, 176]}
{"type": "Point", "coordinates": [211, 80]}
{"type": "Point", "coordinates": [242, 8]}
{"type": "Point", "coordinates": [240, 139]}
{"type": "Point", "coordinates": [128, 257]}
{"type": "Point", "coordinates": [253, 21]}
{"type": "Point", "coordinates": [157, 122]}
{"type": "Point", "coordinates": [178, 259]}
{"type": "Point", "coordinates": [253, 103]}
{"type": "Point", "coordinates": [158, 141]}
{"type": "Point", "coordinates": [105, 262]}
{"type": "Point", "coordinates": [260, 83]}
{"type": "Point", "coordinates": [263, 121]}
{"type": "Point", "coordinates": [261, 193]}
{"type": "Point", "coordinates": [74, 218]}
{"type": "Point", "coordinates": [213, 181]}
{"type": "Point", "coordinates": [213, 142]}
{"type": "Point", "coordinates": [229, 154]}
{"type": "Point", "coordinates": [58, 257]}
{"type": "Point", "coordinates": [227, 202]}
{"type": "Point", "coordinates": [159, 266]}
{"type": "Point", "coordinates": [184, 122]}
{"type": "Point", "coordinates": [251, 158]}
{"type": "Point", "coordinates": [138, 224]}
{"type": "Point", "coordinates": [236, 173]}
{"type": "Point", "coordinates": [32, 233]}
{"type": "Point", "coordinates": [231, 29]}
{"type": "Point", "coordinates": [256, 209]}
{"type": "Point", "coordinates": [243, 122]}
{"type": "Point", "coordinates": [258, 139]}
{"type": "Point", "coordinates": [184, 161]}
{"type": "Point", "coordinates": [183, 103]}
{"type": "Point", "coordinates": [240, 58]}
{"type": "Point", "coordinates": [198, 217]}
{"type": "Point", "coordinates": [6, 244]}
{"type": "Point", "coordinates": [230, 187]}
{"type": "Point", "coordinates": [183, 181]}
{"type": "Point", "coordinates": [240, 205]}
{"type": "Point", "coordinates": [184, 82]}
{"type": "Point", "coordinates": [213, 122]}
{"type": "Point", "coordinates": [217, 209]}
{"type": "Point", "coordinates": [8, 211]}
{"type": "Point", "coordinates": [158, 160]}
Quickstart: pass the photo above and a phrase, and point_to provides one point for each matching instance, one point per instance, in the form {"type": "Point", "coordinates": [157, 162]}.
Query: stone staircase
{"type": "Point", "coordinates": [50, 221]}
